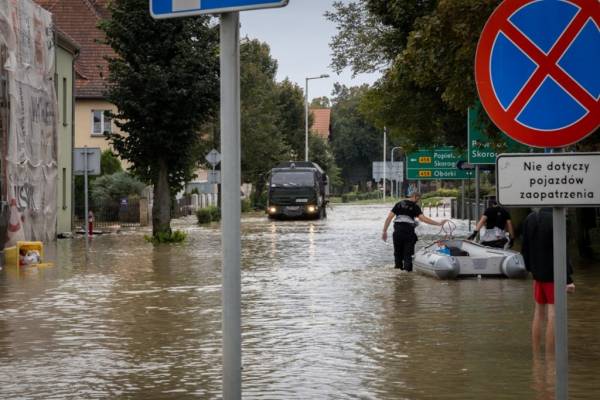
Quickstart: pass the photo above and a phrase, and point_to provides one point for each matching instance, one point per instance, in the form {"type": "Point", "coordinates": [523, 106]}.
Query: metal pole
{"type": "Point", "coordinates": [306, 121]}
{"type": "Point", "coordinates": [560, 303]}
{"type": "Point", "coordinates": [384, 151]}
{"type": "Point", "coordinates": [462, 200]}
{"type": "Point", "coordinates": [231, 170]}
{"type": "Point", "coordinates": [478, 211]}
{"type": "Point", "coordinates": [85, 192]}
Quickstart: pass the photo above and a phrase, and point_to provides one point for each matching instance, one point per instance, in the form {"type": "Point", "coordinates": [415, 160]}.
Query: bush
{"type": "Point", "coordinates": [208, 215]}
{"type": "Point", "coordinates": [167, 237]}
{"type": "Point", "coordinates": [441, 193]}
{"type": "Point", "coordinates": [246, 205]}
{"type": "Point", "coordinates": [215, 213]}
{"type": "Point", "coordinates": [355, 196]}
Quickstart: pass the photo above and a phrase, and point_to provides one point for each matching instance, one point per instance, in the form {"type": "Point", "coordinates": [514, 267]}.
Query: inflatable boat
{"type": "Point", "coordinates": [449, 259]}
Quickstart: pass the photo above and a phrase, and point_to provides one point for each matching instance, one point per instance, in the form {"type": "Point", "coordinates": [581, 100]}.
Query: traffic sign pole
{"type": "Point", "coordinates": [230, 225]}
{"type": "Point", "coordinates": [477, 185]}
{"type": "Point", "coordinates": [560, 303]}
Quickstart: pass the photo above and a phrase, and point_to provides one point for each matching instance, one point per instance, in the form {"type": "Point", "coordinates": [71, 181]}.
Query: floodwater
{"type": "Point", "coordinates": [325, 316]}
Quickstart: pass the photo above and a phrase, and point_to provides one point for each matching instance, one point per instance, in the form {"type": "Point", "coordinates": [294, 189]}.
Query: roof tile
{"type": "Point", "coordinates": [321, 121]}
{"type": "Point", "coordinates": [79, 19]}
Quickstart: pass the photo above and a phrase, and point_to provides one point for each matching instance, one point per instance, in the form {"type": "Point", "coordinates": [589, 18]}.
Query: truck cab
{"type": "Point", "coordinates": [297, 190]}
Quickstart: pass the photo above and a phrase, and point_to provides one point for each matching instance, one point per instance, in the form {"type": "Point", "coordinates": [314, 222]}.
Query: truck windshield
{"type": "Point", "coordinates": [290, 179]}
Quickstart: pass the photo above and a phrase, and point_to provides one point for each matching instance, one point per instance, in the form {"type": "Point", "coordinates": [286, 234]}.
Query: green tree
{"type": "Point", "coordinates": [164, 82]}
{"type": "Point", "coordinates": [263, 144]}
{"type": "Point", "coordinates": [355, 141]}
{"type": "Point", "coordinates": [111, 188]}
{"type": "Point", "coordinates": [109, 163]}
{"type": "Point", "coordinates": [320, 152]}
{"type": "Point", "coordinates": [427, 48]}
{"type": "Point", "coordinates": [290, 117]}
{"type": "Point", "coordinates": [320, 102]}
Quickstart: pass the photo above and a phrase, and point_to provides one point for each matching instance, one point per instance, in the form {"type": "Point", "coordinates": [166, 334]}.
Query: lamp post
{"type": "Point", "coordinates": [398, 186]}
{"type": "Point", "coordinates": [306, 113]}
{"type": "Point", "coordinates": [384, 151]}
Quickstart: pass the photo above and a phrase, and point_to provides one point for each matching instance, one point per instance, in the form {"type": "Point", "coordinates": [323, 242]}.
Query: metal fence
{"type": "Point", "coordinates": [108, 214]}
{"type": "Point", "coordinates": [466, 210]}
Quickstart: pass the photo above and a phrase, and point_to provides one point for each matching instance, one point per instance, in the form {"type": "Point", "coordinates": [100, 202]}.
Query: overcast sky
{"type": "Point", "coordinates": [299, 37]}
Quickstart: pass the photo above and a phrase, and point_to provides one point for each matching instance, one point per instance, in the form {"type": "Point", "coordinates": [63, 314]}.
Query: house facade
{"type": "Point", "coordinates": [64, 81]}
{"type": "Point", "coordinates": [79, 19]}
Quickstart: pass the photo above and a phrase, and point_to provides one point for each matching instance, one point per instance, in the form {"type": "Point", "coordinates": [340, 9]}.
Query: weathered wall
{"type": "Point", "coordinates": [30, 151]}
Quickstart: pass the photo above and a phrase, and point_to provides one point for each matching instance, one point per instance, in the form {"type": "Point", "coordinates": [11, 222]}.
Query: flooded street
{"type": "Point", "coordinates": [325, 316]}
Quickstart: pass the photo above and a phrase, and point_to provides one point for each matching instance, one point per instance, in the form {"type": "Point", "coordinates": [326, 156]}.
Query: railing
{"type": "Point", "coordinates": [109, 214]}
{"type": "Point", "coordinates": [468, 210]}
{"type": "Point", "coordinates": [188, 204]}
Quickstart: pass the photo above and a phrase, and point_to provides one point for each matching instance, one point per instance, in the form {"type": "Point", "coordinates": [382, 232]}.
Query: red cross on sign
{"type": "Point", "coordinates": [536, 70]}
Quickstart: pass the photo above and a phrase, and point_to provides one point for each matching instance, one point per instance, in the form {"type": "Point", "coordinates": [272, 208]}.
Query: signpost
{"type": "Point", "coordinates": [214, 158]}
{"type": "Point", "coordinates": [435, 164]}
{"type": "Point", "coordinates": [480, 150]}
{"type": "Point", "coordinates": [183, 8]}
{"type": "Point", "coordinates": [536, 70]}
{"type": "Point", "coordinates": [393, 170]}
{"type": "Point", "coordinates": [86, 161]}
{"type": "Point", "coordinates": [548, 180]}
{"type": "Point", "coordinates": [230, 166]}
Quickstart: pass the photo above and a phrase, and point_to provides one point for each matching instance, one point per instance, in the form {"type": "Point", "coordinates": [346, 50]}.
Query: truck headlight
{"type": "Point", "coordinates": [311, 209]}
{"type": "Point", "coordinates": [272, 210]}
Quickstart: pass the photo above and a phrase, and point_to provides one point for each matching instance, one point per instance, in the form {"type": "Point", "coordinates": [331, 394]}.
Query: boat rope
{"type": "Point", "coordinates": [448, 227]}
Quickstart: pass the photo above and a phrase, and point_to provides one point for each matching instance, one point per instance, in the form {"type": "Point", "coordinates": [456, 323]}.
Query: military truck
{"type": "Point", "coordinates": [297, 190]}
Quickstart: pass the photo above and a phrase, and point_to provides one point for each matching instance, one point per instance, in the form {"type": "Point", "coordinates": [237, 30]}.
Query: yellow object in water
{"type": "Point", "coordinates": [11, 254]}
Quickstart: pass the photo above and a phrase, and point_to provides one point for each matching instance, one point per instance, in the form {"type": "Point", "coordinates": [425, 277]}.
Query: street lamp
{"type": "Point", "coordinates": [306, 113]}
{"type": "Point", "coordinates": [398, 187]}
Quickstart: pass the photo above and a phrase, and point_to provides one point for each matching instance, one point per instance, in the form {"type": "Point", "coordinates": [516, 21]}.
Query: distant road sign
{"type": "Point", "coordinates": [214, 177]}
{"type": "Point", "coordinates": [536, 70]}
{"type": "Point", "coordinates": [213, 157]}
{"type": "Point", "coordinates": [548, 180]}
{"type": "Point", "coordinates": [436, 164]}
{"type": "Point", "coordinates": [394, 171]}
{"type": "Point", "coordinates": [93, 160]}
{"type": "Point", "coordinates": [480, 150]}
{"type": "Point", "coordinates": [183, 8]}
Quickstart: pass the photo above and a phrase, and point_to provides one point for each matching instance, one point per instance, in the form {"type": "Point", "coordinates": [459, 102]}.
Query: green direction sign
{"type": "Point", "coordinates": [436, 164]}
{"type": "Point", "coordinates": [480, 150]}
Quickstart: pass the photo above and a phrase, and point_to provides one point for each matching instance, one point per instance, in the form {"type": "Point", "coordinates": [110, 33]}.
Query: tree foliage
{"type": "Point", "coordinates": [263, 144]}
{"type": "Point", "coordinates": [273, 124]}
{"type": "Point", "coordinates": [355, 141]}
{"type": "Point", "coordinates": [164, 82]}
{"type": "Point", "coordinates": [428, 47]}
{"type": "Point", "coordinates": [320, 102]}
{"type": "Point", "coordinates": [111, 188]}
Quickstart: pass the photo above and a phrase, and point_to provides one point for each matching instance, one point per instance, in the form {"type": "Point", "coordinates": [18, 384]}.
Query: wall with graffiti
{"type": "Point", "coordinates": [29, 137]}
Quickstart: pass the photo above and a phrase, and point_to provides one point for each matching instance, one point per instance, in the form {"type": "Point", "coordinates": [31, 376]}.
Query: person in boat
{"type": "Point", "coordinates": [497, 222]}
{"type": "Point", "coordinates": [404, 214]}
{"type": "Point", "coordinates": [537, 250]}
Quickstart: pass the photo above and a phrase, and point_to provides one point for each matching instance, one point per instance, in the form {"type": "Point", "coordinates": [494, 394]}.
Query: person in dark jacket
{"type": "Point", "coordinates": [537, 250]}
{"type": "Point", "coordinates": [404, 214]}
{"type": "Point", "coordinates": [497, 222]}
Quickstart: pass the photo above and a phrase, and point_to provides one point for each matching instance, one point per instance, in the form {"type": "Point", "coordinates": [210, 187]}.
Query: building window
{"type": "Point", "coordinates": [100, 122]}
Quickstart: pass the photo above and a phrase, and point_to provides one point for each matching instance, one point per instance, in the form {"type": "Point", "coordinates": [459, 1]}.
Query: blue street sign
{"type": "Point", "coordinates": [537, 70]}
{"type": "Point", "coordinates": [183, 8]}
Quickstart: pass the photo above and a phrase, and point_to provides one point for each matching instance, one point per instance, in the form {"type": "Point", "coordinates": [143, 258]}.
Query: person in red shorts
{"type": "Point", "coordinates": [538, 254]}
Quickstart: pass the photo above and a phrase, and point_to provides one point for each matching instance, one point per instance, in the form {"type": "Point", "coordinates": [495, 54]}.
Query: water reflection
{"type": "Point", "coordinates": [325, 315]}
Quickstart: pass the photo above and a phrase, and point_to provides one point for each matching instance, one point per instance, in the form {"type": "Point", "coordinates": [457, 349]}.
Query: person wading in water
{"type": "Point", "coordinates": [404, 215]}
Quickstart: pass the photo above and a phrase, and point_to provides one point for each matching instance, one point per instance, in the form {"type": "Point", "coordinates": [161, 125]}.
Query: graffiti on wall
{"type": "Point", "coordinates": [30, 142]}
